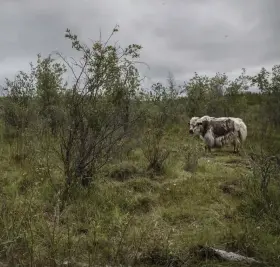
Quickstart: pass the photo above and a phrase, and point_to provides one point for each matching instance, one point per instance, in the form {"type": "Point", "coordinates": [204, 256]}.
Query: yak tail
{"type": "Point", "coordinates": [242, 131]}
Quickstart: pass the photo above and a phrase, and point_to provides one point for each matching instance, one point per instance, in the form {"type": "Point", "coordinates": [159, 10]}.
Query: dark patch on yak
{"type": "Point", "coordinates": [205, 127]}
{"type": "Point", "coordinates": [219, 128]}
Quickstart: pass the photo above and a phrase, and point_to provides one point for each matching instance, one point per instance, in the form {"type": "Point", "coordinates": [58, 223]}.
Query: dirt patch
{"type": "Point", "coordinates": [238, 162]}
{"type": "Point", "coordinates": [235, 161]}
{"type": "Point", "coordinates": [232, 188]}
{"type": "Point", "coordinates": [123, 172]}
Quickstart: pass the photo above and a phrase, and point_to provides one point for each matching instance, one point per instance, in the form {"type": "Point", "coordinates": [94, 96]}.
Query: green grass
{"type": "Point", "coordinates": [129, 216]}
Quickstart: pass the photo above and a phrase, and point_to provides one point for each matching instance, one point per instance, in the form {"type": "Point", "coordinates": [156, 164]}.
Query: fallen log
{"type": "Point", "coordinates": [210, 252]}
{"type": "Point", "coordinates": [231, 256]}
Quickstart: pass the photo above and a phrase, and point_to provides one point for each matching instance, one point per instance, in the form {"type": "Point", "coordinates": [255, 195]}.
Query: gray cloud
{"type": "Point", "coordinates": [181, 36]}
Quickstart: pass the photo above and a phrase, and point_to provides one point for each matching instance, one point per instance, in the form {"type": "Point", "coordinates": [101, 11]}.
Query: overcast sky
{"type": "Point", "coordinates": [180, 36]}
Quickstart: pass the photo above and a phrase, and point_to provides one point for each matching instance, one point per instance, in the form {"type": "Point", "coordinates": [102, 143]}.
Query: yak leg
{"type": "Point", "coordinates": [236, 146]}
{"type": "Point", "coordinates": [207, 148]}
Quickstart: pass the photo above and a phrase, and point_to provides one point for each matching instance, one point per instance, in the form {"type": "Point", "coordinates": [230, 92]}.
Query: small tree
{"type": "Point", "coordinates": [20, 93]}
{"type": "Point", "coordinates": [172, 93]}
{"type": "Point", "coordinates": [235, 100]}
{"type": "Point", "coordinates": [160, 100]}
{"type": "Point", "coordinates": [197, 90]}
{"type": "Point", "coordinates": [104, 85]}
{"type": "Point", "coordinates": [269, 85]}
{"type": "Point", "coordinates": [50, 88]}
{"type": "Point", "coordinates": [217, 87]}
{"type": "Point", "coordinates": [19, 109]}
